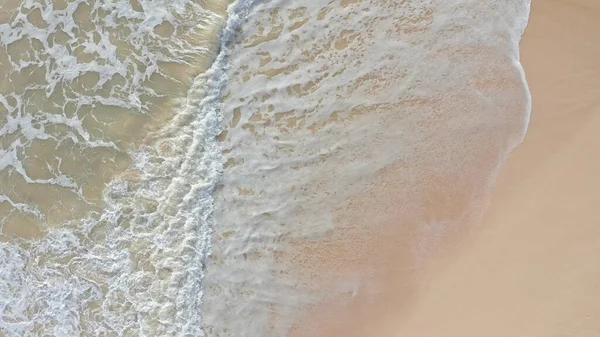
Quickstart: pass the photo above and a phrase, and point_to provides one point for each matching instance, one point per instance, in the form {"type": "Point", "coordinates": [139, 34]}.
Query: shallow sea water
{"type": "Point", "coordinates": [107, 161]}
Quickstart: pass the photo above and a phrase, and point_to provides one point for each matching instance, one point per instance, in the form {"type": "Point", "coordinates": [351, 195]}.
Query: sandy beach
{"type": "Point", "coordinates": [336, 169]}
{"type": "Point", "coordinates": [529, 268]}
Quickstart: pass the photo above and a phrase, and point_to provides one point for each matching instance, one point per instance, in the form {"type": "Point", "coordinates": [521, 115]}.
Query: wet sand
{"type": "Point", "coordinates": [529, 268]}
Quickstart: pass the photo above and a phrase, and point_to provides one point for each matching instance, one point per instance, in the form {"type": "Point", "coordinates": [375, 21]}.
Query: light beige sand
{"type": "Point", "coordinates": [530, 269]}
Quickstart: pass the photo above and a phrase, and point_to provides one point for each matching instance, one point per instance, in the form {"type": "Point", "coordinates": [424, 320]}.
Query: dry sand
{"type": "Point", "coordinates": [530, 268]}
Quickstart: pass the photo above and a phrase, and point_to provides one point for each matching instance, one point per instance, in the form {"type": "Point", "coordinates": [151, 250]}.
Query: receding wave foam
{"type": "Point", "coordinates": [325, 98]}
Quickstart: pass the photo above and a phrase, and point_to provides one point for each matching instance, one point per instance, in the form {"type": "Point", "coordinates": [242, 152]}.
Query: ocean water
{"type": "Point", "coordinates": [107, 163]}
{"type": "Point", "coordinates": [159, 160]}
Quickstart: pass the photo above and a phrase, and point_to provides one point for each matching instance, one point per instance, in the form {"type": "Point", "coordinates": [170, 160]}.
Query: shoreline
{"type": "Point", "coordinates": [407, 210]}
{"type": "Point", "coordinates": [375, 292]}
{"type": "Point", "coordinates": [528, 267]}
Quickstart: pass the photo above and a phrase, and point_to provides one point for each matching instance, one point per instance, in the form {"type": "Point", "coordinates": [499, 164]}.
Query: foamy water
{"type": "Point", "coordinates": [322, 98]}
{"type": "Point", "coordinates": [108, 160]}
{"type": "Point", "coordinates": [119, 116]}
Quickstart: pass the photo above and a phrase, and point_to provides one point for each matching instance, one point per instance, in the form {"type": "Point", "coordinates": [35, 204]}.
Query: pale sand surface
{"type": "Point", "coordinates": [530, 268]}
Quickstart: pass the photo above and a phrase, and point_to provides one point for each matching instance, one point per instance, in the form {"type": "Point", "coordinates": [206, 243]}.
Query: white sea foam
{"type": "Point", "coordinates": [322, 97]}
{"type": "Point", "coordinates": [131, 263]}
